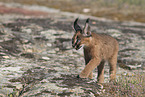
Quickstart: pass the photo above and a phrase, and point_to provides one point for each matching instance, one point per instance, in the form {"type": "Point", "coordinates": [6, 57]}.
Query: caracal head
{"type": "Point", "coordinates": [81, 36]}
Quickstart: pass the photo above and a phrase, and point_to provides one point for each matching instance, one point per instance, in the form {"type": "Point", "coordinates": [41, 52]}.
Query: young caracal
{"type": "Point", "coordinates": [98, 48]}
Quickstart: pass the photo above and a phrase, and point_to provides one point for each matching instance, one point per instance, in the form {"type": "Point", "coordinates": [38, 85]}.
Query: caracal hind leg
{"type": "Point", "coordinates": [101, 72]}
{"type": "Point", "coordinates": [112, 63]}
{"type": "Point", "coordinates": [93, 63]}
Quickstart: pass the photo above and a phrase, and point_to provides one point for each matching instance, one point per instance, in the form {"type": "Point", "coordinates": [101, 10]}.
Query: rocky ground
{"type": "Point", "coordinates": [36, 57]}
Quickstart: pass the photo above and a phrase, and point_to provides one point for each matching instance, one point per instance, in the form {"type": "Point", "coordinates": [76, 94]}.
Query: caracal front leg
{"type": "Point", "coordinates": [93, 63]}
{"type": "Point", "coordinates": [90, 75]}
{"type": "Point", "coordinates": [87, 59]}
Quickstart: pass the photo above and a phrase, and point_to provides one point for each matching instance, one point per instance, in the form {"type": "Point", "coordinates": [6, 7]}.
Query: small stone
{"type": "Point", "coordinates": [114, 32]}
{"type": "Point", "coordinates": [28, 55]}
{"type": "Point", "coordinates": [56, 49]}
{"type": "Point", "coordinates": [2, 54]}
{"type": "Point", "coordinates": [86, 10]}
{"type": "Point", "coordinates": [29, 50]}
{"type": "Point", "coordinates": [49, 44]}
{"type": "Point", "coordinates": [134, 67]}
{"type": "Point", "coordinates": [6, 57]}
{"type": "Point", "coordinates": [1, 40]}
{"type": "Point", "coordinates": [100, 86]}
{"type": "Point", "coordinates": [25, 41]}
{"type": "Point", "coordinates": [19, 86]}
{"type": "Point", "coordinates": [51, 51]}
{"type": "Point", "coordinates": [27, 30]}
{"type": "Point", "coordinates": [93, 22]}
{"type": "Point", "coordinates": [45, 58]}
{"type": "Point", "coordinates": [143, 66]}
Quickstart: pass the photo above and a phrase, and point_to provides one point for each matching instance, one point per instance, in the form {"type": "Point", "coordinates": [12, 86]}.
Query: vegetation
{"type": "Point", "coordinates": [130, 10]}
{"type": "Point", "coordinates": [128, 86]}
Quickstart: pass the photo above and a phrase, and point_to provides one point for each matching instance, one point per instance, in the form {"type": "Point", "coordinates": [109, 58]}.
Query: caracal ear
{"type": "Point", "coordinates": [76, 26]}
{"type": "Point", "coordinates": [87, 28]}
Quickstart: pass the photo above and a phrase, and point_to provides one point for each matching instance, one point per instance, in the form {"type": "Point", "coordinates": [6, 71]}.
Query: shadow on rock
{"type": "Point", "coordinates": [29, 79]}
{"type": "Point", "coordinates": [71, 81]}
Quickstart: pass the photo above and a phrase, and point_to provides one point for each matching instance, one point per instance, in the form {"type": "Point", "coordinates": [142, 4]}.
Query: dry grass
{"type": "Point", "coordinates": [127, 86]}
{"type": "Point", "coordinates": [130, 10]}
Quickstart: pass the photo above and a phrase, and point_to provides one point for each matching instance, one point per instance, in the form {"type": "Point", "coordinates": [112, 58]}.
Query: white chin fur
{"type": "Point", "coordinates": [81, 47]}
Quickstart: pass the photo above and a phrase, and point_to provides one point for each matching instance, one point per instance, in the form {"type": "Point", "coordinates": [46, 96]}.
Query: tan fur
{"type": "Point", "coordinates": [98, 48]}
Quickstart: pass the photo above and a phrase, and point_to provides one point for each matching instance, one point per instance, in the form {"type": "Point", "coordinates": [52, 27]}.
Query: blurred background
{"type": "Point", "coordinates": [122, 10]}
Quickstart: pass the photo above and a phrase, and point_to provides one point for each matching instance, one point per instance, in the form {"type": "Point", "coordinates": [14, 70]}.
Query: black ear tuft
{"type": "Point", "coordinates": [86, 29]}
{"type": "Point", "coordinates": [76, 26]}
{"type": "Point", "coordinates": [87, 21]}
{"type": "Point", "coordinates": [75, 22]}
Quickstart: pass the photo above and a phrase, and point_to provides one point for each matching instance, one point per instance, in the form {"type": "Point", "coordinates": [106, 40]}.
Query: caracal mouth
{"type": "Point", "coordinates": [78, 47]}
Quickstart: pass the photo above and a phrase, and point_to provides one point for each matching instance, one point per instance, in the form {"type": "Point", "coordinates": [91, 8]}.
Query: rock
{"type": "Point", "coordinates": [28, 55]}
{"type": "Point", "coordinates": [2, 54]}
{"type": "Point", "coordinates": [29, 50]}
{"type": "Point", "coordinates": [45, 58]}
{"type": "Point", "coordinates": [51, 51]}
{"type": "Point", "coordinates": [6, 57]}
{"type": "Point", "coordinates": [25, 41]}
{"type": "Point", "coordinates": [56, 49]}
{"type": "Point", "coordinates": [1, 40]}
{"type": "Point", "coordinates": [114, 32]}
{"type": "Point", "coordinates": [11, 69]}
{"type": "Point", "coordinates": [134, 67]}
{"type": "Point", "coordinates": [3, 93]}
{"type": "Point", "coordinates": [49, 44]}
{"type": "Point", "coordinates": [27, 31]}
{"type": "Point", "coordinates": [129, 67]}
{"type": "Point", "coordinates": [86, 10]}
{"type": "Point", "coordinates": [18, 86]}
{"type": "Point", "coordinates": [143, 66]}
